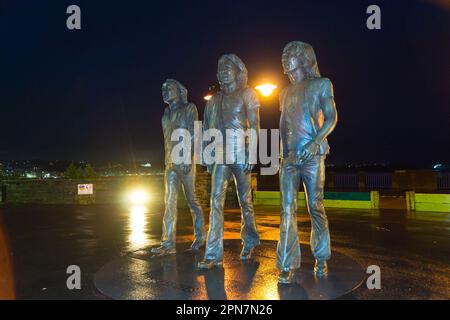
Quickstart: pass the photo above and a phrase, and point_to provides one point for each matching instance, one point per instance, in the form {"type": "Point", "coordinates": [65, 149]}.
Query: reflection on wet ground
{"type": "Point", "coordinates": [7, 290]}
{"type": "Point", "coordinates": [137, 223]}
{"type": "Point", "coordinates": [412, 250]}
{"type": "Point", "coordinates": [142, 275]}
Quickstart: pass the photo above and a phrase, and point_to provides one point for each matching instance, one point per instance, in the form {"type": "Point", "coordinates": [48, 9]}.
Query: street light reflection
{"type": "Point", "coordinates": [7, 285]}
{"type": "Point", "coordinates": [138, 220]}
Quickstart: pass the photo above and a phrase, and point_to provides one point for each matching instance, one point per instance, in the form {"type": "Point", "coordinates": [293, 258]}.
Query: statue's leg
{"type": "Point", "coordinates": [313, 176]}
{"type": "Point", "coordinates": [188, 183]}
{"type": "Point", "coordinates": [171, 186]}
{"type": "Point", "coordinates": [249, 232]}
{"type": "Point", "coordinates": [288, 249]}
{"type": "Point", "coordinates": [214, 242]}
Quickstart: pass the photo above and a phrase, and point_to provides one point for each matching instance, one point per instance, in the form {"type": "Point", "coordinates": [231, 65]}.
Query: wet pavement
{"type": "Point", "coordinates": [141, 275]}
{"type": "Point", "coordinates": [411, 249]}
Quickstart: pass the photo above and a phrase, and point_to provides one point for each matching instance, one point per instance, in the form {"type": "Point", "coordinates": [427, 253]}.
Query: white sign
{"type": "Point", "coordinates": [84, 189]}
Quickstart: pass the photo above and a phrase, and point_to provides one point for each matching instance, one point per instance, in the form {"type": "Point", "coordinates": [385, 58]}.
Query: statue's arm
{"type": "Point", "coordinates": [328, 107]}
{"type": "Point", "coordinates": [252, 106]}
{"type": "Point", "coordinates": [281, 101]}
{"type": "Point", "coordinates": [192, 118]}
{"type": "Point", "coordinates": [163, 120]}
{"type": "Point", "coordinates": [164, 127]}
{"type": "Point", "coordinates": [206, 126]}
{"type": "Point", "coordinates": [253, 119]}
{"type": "Point", "coordinates": [324, 89]}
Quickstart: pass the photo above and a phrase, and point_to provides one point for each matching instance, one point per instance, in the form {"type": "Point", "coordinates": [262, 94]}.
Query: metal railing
{"type": "Point", "coordinates": [378, 181]}
{"type": "Point", "coordinates": [346, 181]}
{"type": "Point", "coordinates": [443, 181]}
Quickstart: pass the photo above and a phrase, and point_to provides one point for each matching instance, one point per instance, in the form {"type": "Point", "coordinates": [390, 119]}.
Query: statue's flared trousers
{"type": "Point", "coordinates": [221, 174]}
{"type": "Point", "coordinates": [312, 174]}
{"type": "Point", "coordinates": [172, 180]}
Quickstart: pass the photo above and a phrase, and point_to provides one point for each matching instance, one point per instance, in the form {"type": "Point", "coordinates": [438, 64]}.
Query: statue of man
{"type": "Point", "coordinates": [308, 116]}
{"type": "Point", "coordinates": [233, 110]}
{"type": "Point", "coordinates": [179, 114]}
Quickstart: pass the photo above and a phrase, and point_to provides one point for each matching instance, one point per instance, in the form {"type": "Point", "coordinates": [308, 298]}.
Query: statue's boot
{"type": "Point", "coordinates": [196, 245]}
{"type": "Point", "coordinates": [286, 276]}
{"type": "Point", "coordinates": [321, 268]}
{"type": "Point", "coordinates": [247, 253]}
{"type": "Point", "coordinates": [208, 264]}
{"type": "Point", "coordinates": [163, 251]}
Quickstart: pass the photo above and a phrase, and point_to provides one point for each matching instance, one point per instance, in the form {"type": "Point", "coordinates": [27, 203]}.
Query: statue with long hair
{"type": "Point", "coordinates": [233, 111]}
{"type": "Point", "coordinates": [308, 116]}
{"type": "Point", "coordinates": [179, 114]}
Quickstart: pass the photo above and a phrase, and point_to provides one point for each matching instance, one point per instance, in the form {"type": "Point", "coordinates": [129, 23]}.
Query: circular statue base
{"type": "Point", "coordinates": [141, 275]}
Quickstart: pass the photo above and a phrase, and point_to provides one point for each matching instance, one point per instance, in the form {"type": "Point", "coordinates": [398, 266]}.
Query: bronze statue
{"type": "Point", "coordinates": [235, 108]}
{"type": "Point", "coordinates": [180, 114]}
{"type": "Point", "coordinates": [308, 116]}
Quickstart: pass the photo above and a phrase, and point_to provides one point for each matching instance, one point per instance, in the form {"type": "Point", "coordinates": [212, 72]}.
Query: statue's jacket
{"type": "Point", "coordinates": [181, 117]}
{"type": "Point", "coordinates": [301, 116]}
{"type": "Point", "coordinates": [229, 112]}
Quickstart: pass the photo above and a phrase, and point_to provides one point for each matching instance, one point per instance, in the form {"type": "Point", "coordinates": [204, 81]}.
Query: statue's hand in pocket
{"type": "Point", "coordinates": [309, 150]}
{"type": "Point", "coordinates": [185, 168]}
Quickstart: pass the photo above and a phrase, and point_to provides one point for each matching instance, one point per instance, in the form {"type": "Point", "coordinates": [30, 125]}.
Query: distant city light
{"type": "Point", "coordinates": [207, 97]}
{"type": "Point", "coordinates": [438, 166]}
{"type": "Point", "coordinates": [266, 89]}
{"type": "Point", "coordinates": [146, 165]}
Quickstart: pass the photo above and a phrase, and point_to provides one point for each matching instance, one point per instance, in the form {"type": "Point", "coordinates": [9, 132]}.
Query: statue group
{"type": "Point", "coordinates": [308, 116]}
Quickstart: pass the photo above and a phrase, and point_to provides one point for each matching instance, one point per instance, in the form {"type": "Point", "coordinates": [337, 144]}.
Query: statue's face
{"type": "Point", "coordinates": [292, 69]}
{"type": "Point", "coordinates": [226, 73]}
{"type": "Point", "coordinates": [169, 92]}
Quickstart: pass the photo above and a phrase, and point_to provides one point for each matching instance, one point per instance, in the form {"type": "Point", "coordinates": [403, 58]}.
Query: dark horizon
{"type": "Point", "coordinates": [94, 94]}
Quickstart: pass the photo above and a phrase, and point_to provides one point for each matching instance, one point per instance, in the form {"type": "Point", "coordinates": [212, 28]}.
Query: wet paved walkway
{"type": "Point", "coordinates": [412, 249]}
{"type": "Point", "coordinates": [140, 275]}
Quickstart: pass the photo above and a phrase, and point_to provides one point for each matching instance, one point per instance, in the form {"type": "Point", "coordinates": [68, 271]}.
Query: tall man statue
{"type": "Point", "coordinates": [234, 109]}
{"type": "Point", "coordinates": [179, 115]}
{"type": "Point", "coordinates": [308, 116]}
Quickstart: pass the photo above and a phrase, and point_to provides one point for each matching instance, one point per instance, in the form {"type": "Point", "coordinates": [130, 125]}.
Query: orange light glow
{"type": "Point", "coordinates": [207, 97]}
{"type": "Point", "coordinates": [266, 89]}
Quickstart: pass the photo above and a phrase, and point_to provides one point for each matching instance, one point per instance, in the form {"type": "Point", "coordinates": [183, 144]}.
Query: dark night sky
{"type": "Point", "coordinates": [94, 94]}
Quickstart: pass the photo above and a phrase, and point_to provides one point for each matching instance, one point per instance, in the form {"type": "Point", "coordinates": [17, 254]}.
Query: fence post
{"type": "Point", "coordinates": [375, 199]}
{"type": "Point", "coordinates": [3, 194]}
{"type": "Point", "coordinates": [329, 179]}
{"type": "Point", "coordinates": [361, 180]}
{"type": "Point", "coordinates": [410, 200]}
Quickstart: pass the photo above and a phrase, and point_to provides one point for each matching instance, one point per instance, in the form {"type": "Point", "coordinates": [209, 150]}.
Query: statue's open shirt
{"type": "Point", "coordinates": [301, 116]}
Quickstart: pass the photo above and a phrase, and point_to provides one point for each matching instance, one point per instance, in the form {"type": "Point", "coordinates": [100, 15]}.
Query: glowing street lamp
{"type": "Point", "coordinates": [266, 89]}
{"type": "Point", "coordinates": [138, 197]}
{"type": "Point", "coordinates": [207, 97]}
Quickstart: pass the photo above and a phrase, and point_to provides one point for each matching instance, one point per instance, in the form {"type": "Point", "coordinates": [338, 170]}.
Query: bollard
{"type": "Point", "coordinates": [375, 199]}
{"type": "Point", "coordinates": [410, 200]}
